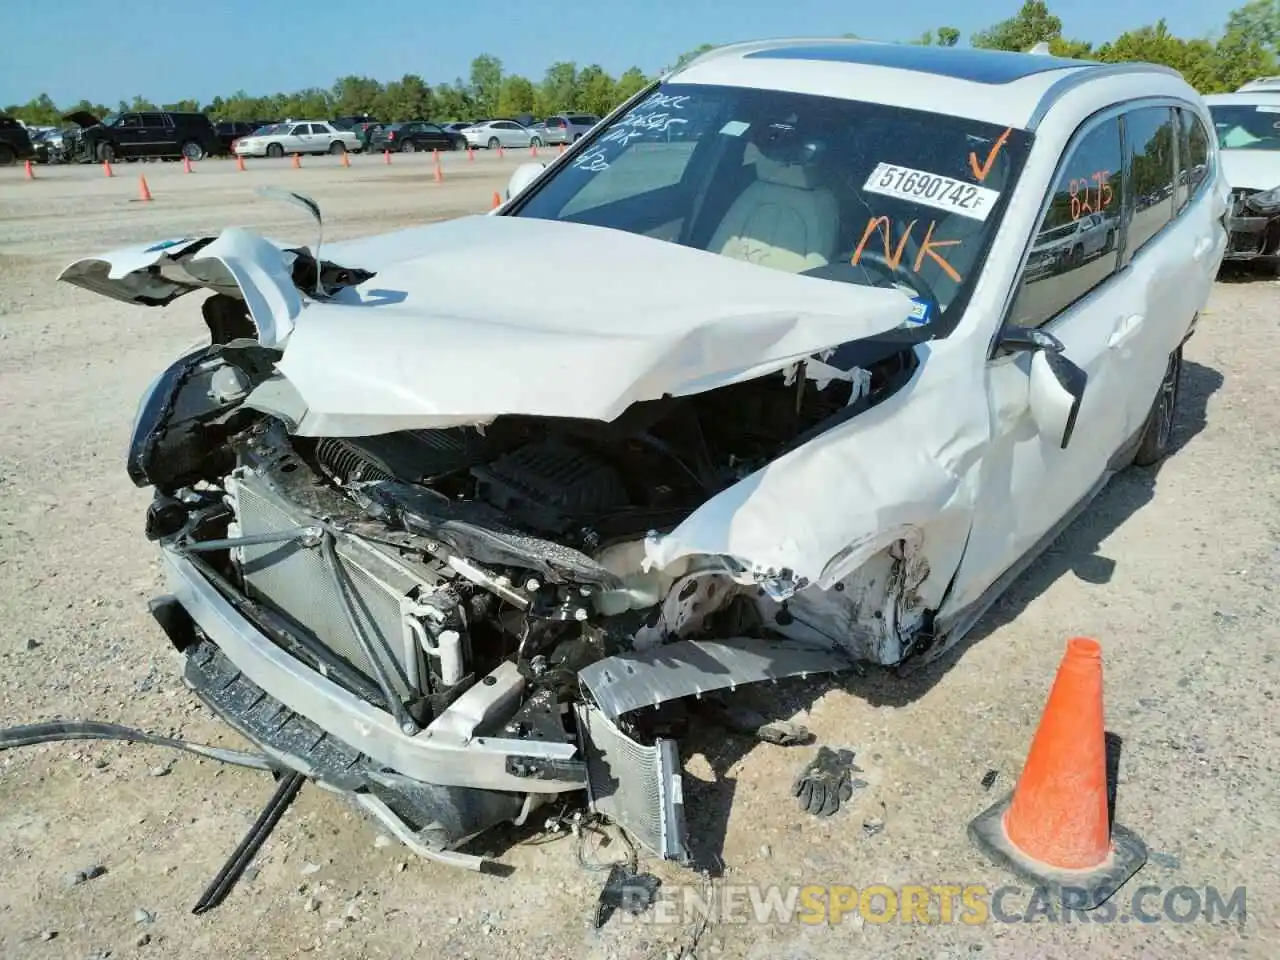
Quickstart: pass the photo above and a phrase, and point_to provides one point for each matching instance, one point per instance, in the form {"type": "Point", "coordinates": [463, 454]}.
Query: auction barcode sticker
{"type": "Point", "coordinates": [932, 190]}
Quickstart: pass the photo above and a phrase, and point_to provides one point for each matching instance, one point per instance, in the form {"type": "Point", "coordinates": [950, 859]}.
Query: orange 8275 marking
{"type": "Point", "coordinates": [1091, 194]}
{"type": "Point", "coordinates": [981, 171]}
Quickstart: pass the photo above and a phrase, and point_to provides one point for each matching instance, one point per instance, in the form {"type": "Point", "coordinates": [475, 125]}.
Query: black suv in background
{"type": "Point", "coordinates": [142, 135]}
{"type": "Point", "coordinates": [229, 131]}
{"type": "Point", "coordinates": [15, 142]}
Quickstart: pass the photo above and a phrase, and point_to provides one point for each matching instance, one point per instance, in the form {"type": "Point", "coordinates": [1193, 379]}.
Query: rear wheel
{"type": "Point", "coordinates": [1157, 434]}
{"type": "Point", "coordinates": [408, 147]}
{"type": "Point", "coordinates": [193, 151]}
{"type": "Point", "coordinates": [275, 150]}
{"type": "Point", "coordinates": [494, 144]}
{"type": "Point", "coordinates": [7, 155]}
{"type": "Point", "coordinates": [337, 147]}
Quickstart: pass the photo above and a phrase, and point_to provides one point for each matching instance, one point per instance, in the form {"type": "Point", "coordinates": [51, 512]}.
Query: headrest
{"type": "Point", "coordinates": [802, 176]}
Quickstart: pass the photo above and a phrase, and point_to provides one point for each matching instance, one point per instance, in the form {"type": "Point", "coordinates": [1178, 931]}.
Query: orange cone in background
{"type": "Point", "coordinates": [386, 156]}
{"type": "Point", "coordinates": [186, 164]}
{"type": "Point", "coordinates": [439, 172]}
{"type": "Point", "coordinates": [1055, 829]}
{"type": "Point", "coordinates": [346, 158]}
{"type": "Point", "coordinates": [471, 154]}
{"type": "Point", "coordinates": [31, 174]}
{"type": "Point", "coordinates": [497, 200]}
{"type": "Point", "coordinates": [144, 192]}
{"type": "Point", "coordinates": [297, 161]}
{"type": "Point", "coordinates": [239, 162]}
{"type": "Point", "coordinates": [533, 149]}
{"type": "Point", "coordinates": [106, 169]}
{"type": "Point", "coordinates": [435, 155]}
{"type": "Point", "coordinates": [562, 148]}
{"type": "Point", "coordinates": [501, 152]}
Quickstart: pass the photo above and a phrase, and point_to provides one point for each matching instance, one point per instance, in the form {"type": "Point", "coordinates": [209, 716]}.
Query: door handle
{"type": "Point", "coordinates": [1125, 329]}
{"type": "Point", "coordinates": [1203, 246]}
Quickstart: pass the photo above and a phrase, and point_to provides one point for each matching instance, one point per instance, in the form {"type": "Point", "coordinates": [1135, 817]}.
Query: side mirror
{"type": "Point", "coordinates": [522, 177]}
{"type": "Point", "coordinates": [1057, 385]}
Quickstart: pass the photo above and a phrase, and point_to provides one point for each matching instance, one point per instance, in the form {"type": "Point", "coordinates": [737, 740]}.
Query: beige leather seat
{"type": "Point", "coordinates": [783, 220]}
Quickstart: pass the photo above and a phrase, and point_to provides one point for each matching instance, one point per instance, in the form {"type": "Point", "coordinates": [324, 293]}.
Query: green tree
{"type": "Point", "coordinates": [595, 91]}
{"type": "Point", "coordinates": [355, 95]}
{"type": "Point", "coordinates": [454, 102]}
{"type": "Point", "coordinates": [1258, 20]}
{"type": "Point", "coordinates": [559, 88]}
{"type": "Point", "coordinates": [408, 98]}
{"type": "Point", "coordinates": [948, 36]}
{"type": "Point", "coordinates": [486, 83]}
{"type": "Point", "coordinates": [629, 84]}
{"type": "Point", "coordinates": [1032, 24]}
{"type": "Point", "coordinates": [516, 96]}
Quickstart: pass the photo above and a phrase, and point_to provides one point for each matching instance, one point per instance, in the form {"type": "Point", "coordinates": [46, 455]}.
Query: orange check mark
{"type": "Point", "coordinates": [981, 171]}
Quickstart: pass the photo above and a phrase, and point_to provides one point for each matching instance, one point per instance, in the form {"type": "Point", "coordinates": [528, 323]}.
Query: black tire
{"type": "Point", "coordinates": [459, 145]}
{"type": "Point", "coordinates": [1157, 433]}
{"type": "Point", "coordinates": [408, 147]}
{"type": "Point", "coordinates": [106, 153]}
{"type": "Point", "coordinates": [535, 142]}
{"type": "Point", "coordinates": [275, 150]}
{"type": "Point", "coordinates": [494, 143]}
{"type": "Point", "coordinates": [193, 151]}
{"type": "Point", "coordinates": [337, 148]}
{"type": "Point", "coordinates": [7, 155]}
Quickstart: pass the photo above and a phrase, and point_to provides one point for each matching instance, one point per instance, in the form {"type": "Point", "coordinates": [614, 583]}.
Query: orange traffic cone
{"type": "Point", "coordinates": [471, 154]}
{"type": "Point", "coordinates": [439, 172]}
{"type": "Point", "coordinates": [346, 159]}
{"type": "Point", "coordinates": [106, 169]}
{"type": "Point", "coordinates": [239, 162]}
{"type": "Point", "coordinates": [562, 148]}
{"type": "Point", "coordinates": [144, 192]}
{"type": "Point", "coordinates": [435, 154]}
{"type": "Point", "coordinates": [501, 152]}
{"type": "Point", "coordinates": [31, 174]}
{"type": "Point", "coordinates": [297, 161]}
{"type": "Point", "coordinates": [186, 164]}
{"type": "Point", "coordinates": [386, 156]}
{"type": "Point", "coordinates": [497, 200]}
{"type": "Point", "coordinates": [533, 149]}
{"type": "Point", "coordinates": [1055, 830]}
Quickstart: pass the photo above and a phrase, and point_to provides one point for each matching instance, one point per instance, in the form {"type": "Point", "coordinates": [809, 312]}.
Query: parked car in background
{"type": "Point", "coordinates": [229, 131]}
{"type": "Point", "coordinates": [140, 135]}
{"type": "Point", "coordinates": [15, 142]}
{"type": "Point", "coordinates": [415, 135]}
{"type": "Point", "coordinates": [492, 134]}
{"type": "Point", "coordinates": [568, 127]}
{"type": "Point", "coordinates": [354, 121]}
{"type": "Point", "coordinates": [456, 126]}
{"type": "Point", "coordinates": [297, 136]}
{"type": "Point", "coordinates": [1247, 127]}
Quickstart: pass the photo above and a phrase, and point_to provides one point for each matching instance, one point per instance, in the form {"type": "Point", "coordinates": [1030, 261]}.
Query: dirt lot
{"type": "Point", "coordinates": [1174, 571]}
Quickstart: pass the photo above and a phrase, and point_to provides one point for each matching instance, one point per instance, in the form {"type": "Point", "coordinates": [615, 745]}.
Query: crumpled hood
{"type": "Point", "coordinates": [481, 316]}
{"type": "Point", "coordinates": [82, 118]}
{"type": "Point", "coordinates": [1251, 169]}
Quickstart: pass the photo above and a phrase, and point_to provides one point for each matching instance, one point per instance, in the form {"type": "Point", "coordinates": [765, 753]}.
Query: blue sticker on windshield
{"type": "Point", "coordinates": [165, 245]}
{"type": "Point", "coordinates": [920, 312]}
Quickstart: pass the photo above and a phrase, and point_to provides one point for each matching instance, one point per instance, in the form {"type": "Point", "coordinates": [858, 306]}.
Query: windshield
{"type": "Point", "coordinates": [841, 190]}
{"type": "Point", "coordinates": [111, 119]}
{"type": "Point", "coordinates": [1247, 126]}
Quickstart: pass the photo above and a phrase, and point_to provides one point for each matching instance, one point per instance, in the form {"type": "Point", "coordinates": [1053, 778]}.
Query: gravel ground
{"type": "Point", "coordinates": [1174, 570]}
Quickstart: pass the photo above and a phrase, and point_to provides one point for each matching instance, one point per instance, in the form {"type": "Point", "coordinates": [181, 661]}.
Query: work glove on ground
{"type": "Point", "coordinates": [826, 782]}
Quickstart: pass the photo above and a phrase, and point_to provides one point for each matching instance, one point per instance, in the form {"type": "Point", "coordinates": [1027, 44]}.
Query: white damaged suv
{"type": "Point", "coordinates": [867, 326]}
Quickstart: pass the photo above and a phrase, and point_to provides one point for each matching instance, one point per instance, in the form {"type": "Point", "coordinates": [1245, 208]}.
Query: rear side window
{"type": "Point", "coordinates": [1076, 247]}
{"type": "Point", "coordinates": [1149, 137]}
{"type": "Point", "coordinates": [1194, 154]}
{"type": "Point", "coordinates": [555, 121]}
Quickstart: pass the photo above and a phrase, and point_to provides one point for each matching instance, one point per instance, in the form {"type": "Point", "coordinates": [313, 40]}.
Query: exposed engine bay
{"type": "Point", "coordinates": [469, 580]}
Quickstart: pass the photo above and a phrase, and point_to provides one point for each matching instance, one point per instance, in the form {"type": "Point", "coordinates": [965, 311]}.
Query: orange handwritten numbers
{"type": "Point", "coordinates": [1091, 194]}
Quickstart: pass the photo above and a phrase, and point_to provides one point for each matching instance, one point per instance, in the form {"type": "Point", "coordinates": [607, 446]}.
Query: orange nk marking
{"type": "Point", "coordinates": [893, 257]}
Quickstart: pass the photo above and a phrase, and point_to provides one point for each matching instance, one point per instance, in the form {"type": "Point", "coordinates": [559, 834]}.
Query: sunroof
{"type": "Point", "coordinates": [979, 66]}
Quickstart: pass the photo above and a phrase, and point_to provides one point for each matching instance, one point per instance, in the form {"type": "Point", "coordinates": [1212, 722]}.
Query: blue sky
{"type": "Point", "coordinates": [109, 50]}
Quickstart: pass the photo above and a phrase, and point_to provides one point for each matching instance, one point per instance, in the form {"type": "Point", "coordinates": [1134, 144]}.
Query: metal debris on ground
{"type": "Point", "coordinates": [989, 779]}
{"type": "Point", "coordinates": [625, 889]}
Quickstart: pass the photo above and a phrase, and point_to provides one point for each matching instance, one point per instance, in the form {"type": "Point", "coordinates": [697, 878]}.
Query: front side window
{"type": "Point", "coordinates": [1241, 126]}
{"type": "Point", "coordinates": [1149, 141]}
{"type": "Point", "coordinates": [1076, 247]}
{"type": "Point", "coordinates": [833, 189]}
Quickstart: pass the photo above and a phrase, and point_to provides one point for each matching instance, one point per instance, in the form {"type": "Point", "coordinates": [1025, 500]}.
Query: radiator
{"type": "Point", "coordinates": [637, 787]}
{"type": "Point", "coordinates": [295, 581]}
